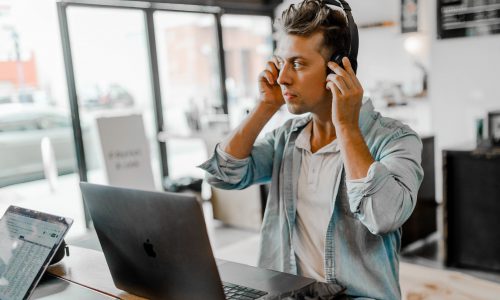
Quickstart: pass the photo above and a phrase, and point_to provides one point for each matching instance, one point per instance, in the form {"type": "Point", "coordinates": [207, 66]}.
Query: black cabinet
{"type": "Point", "coordinates": [471, 208]}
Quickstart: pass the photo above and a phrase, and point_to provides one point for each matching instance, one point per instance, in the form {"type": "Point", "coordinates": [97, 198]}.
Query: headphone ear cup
{"type": "Point", "coordinates": [338, 59]}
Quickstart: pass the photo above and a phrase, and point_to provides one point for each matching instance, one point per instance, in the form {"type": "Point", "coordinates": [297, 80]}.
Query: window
{"type": "Point", "coordinates": [190, 85]}
{"type": "Point", "coordinates": [112, 72]}
{"type": "Point", "coordinates": [33, 107]}
{"type": "Point", "coordinates": [247, 47]}
{"type": "Point", "coordinates": [110, 60]}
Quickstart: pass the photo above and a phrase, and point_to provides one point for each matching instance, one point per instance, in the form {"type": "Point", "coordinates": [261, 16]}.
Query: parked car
{"type": "Point", "coordinates": [22, 127]}
{"type": "Point", "coordinates": [27, 95]}
{"type": "Point", "coordinates": [112, 96]}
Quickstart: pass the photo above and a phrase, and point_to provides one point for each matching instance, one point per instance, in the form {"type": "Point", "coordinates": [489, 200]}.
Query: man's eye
{"type": "Point", "coordinates": [296, 65]}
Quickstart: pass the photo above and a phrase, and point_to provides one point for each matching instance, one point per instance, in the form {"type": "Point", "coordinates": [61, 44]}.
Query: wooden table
{"type": "Point", "coordinates": [55, 288]}
{"type": "Point", "coordinates": [88, 268]}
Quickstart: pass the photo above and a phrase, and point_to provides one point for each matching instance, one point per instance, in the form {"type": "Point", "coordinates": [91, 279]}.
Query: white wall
{"type": "Point", "coordinates": [464, 85]}
{"type": "Point", "coordinates": [382, 57]}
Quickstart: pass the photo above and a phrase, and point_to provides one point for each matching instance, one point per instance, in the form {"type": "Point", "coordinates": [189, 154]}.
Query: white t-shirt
{"type": "Point", "coordinates": [318, 174]}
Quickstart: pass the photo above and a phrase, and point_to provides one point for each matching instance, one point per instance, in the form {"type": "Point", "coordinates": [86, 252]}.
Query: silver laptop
{"type": "Point", "coordinates": [156, 246]}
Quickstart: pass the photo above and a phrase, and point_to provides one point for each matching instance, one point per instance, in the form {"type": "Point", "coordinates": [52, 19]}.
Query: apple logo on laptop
{"type": "Point", "coordinates": [148, 247]}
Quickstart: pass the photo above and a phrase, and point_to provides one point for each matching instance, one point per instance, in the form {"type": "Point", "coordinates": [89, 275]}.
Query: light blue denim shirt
{"type": "Point", "coordinates": [364, 233]}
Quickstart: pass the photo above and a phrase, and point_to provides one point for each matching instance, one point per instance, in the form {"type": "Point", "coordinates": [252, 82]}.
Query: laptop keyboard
{"type": "Point", "coordinates": [234, 291]}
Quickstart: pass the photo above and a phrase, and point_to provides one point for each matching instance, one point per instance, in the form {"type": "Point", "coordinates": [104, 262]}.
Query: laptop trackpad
{"type": "Point", "coordinates": [261, 279]}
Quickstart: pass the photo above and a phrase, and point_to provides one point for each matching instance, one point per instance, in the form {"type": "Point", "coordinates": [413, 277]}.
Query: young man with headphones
{"type": "Point", "coordinates": [343, 178]}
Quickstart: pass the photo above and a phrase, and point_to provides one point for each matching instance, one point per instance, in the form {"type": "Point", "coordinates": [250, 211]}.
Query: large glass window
{"type": "Point", "coordinates": [109, 48]}
{"type": "Point", "coordinates": [247, 47]}
{"type": "Point", "coordinates": [37, 156]}
{"type": "Point", "coordinates": [110, 59]}
{"type": "Point", "coordinates": [190, 85]}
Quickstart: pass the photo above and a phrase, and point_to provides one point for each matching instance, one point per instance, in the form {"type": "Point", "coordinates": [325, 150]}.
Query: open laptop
{"type": "Point", "coordinates": [28, 241]}
{"type": "Point", "coordinates": [156, 246]}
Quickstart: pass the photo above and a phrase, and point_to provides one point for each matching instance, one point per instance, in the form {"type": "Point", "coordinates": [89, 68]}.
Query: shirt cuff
{"type": "Point", "coordinates": [228, 157]}
{"type": "Point", "coordinates": [225, 167]}
{"type": "Point", "coordinates": [357, 189]}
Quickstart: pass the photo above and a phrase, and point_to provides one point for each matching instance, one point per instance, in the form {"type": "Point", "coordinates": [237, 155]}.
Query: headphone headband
{"type": "Point", "coordinates": [339, 3]}
{"type": "Point", "coordinates": [353, 30]}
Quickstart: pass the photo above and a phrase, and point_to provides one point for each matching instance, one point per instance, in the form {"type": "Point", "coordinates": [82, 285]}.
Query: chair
{"type": "Point", "coordinates": [240, 208]}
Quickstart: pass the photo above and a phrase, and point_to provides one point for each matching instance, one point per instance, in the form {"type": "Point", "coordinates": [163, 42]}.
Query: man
{"type": "Point", "coordinates": [343, 178]}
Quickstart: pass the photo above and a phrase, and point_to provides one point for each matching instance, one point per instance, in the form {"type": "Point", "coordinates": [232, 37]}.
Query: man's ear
{"type": "Point", "coordinates": [326, 54]}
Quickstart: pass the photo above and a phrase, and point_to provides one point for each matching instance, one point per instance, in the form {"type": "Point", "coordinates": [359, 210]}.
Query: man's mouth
{"type": "Point", "coordinates": [289, 96]}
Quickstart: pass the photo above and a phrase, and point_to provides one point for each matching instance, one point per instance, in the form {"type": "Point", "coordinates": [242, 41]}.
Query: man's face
{"type": "Point", "coordinates": [302, 74]}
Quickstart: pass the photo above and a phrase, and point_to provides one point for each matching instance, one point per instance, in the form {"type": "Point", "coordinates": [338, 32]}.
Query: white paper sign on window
{"type": "Point", "coordinates": [126, 152]}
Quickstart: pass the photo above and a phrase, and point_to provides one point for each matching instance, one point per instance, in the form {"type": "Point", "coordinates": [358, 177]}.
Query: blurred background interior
{"type": "Point", "coordinates": [184, 73]}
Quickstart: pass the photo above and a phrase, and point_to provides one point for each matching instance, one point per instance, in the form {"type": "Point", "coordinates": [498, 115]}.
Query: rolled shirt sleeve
{"type": "Point", "coordinates": [386, 197]}
{"type": "Point", "coordinates": [225, 167]}
{"type": "Point", "coordinates": [227, 172]}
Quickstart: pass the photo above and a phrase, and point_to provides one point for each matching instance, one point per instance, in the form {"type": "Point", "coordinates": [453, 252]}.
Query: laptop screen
{"type": "Point", "coordinates": [28, 241]}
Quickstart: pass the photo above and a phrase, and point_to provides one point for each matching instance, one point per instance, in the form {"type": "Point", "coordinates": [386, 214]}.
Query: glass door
{"type": "Point", "coordinates": [111, 69]}
{"type": "Point", "coordinates": [248, 46]}
{"type": "Point", "coordinates": [189, 72]}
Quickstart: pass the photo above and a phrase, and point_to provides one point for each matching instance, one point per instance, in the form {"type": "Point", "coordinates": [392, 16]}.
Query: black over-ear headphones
{"type": "Point", "coordinates": [354, 38]}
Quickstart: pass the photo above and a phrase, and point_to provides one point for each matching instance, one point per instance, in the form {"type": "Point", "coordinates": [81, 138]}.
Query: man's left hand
{"type": "Point", "coordinates": [347, 94]}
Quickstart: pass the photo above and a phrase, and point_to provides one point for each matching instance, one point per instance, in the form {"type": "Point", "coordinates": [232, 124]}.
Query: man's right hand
{"type": "Point", "coordinates": [269, 89]}
{"type": "Point", "coordinates": [240, 141]}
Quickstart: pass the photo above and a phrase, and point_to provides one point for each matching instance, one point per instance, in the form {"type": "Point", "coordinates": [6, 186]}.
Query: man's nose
{"type": "Point", "coordinates": [284, 76]}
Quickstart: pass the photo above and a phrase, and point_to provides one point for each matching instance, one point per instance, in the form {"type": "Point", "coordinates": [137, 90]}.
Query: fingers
{"type": "Point", "coordinates": [275, 60]}
{"type": "Point", "coordinates": [344, 77]}
{"type": "Point", "coordinates": [350, 70]}
{"type": "Point", "coordinates": [271, 72]}
{"type": "Point", "coordinates": [272, 66]}
{"type": "Point", "coordinates": [341, 78]}
{"type": "Point", "coordinates": [341, 72]}
{"type": "Point", "coordinates": [268, 77]}
{"type": "Point", "coordinates": [333, 88]}
{"type": "Point", "coordinates": [339, 82]}
{"type": "Point", "coordinates": [337, 69]}
{"type": "Point", "coordinates": [348, 66]}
